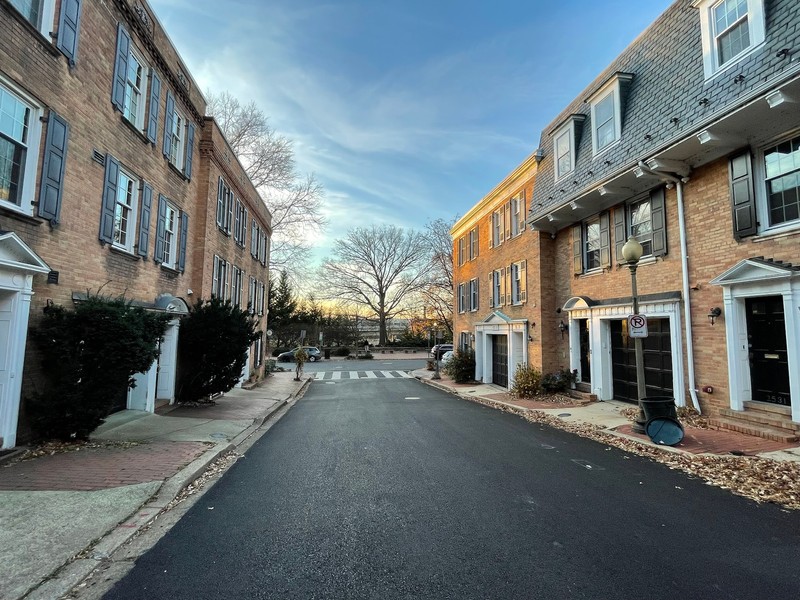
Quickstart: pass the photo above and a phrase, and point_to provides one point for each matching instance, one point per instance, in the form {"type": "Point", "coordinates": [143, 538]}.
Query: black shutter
{"type": "Point", "coordinates": [109, 200]}
{"type": "Point", "coordinates": [620, 232]}
{"type": "Point", "coordinates": [68, 27]}
{"type": "Point", "coordinates": [187, 169]}
{"type": "Point", "coordinates": [55, 156]}
{"type": "Point", "coordinates": [121, 68]}
{"type": "Point", "coordinates": [742, 197]}
{"type": "Point", "coordinates": [144, 219]}
{"type": "Point", "coordinates": [577, 249]}
{"type": "Point", "coordinates": [658, 222]}
{"type": "Point", "coordinates": [161, 229]}
{"type": "Point", "coordinates": [605, 240]}
{"type": "Point", "coordinates": [169, 115]}
{"type": "Point", "coordinates": [184, 234]}
{"type": "Point", "coordinates": [155, 98]}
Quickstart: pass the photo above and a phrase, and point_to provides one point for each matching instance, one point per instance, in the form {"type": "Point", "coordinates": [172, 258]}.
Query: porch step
{"type": "Point", "coordinates": [762, 431]}
{"type": "Point", "coordinates": [583, 396]}
{"type": "Point", "coordinates": [770, 419]}
{"type": "Point", "coordinates": [766, 407]}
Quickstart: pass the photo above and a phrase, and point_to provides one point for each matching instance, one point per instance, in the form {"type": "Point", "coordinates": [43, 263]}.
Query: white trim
{"type": "Point", "coordinates": [612, 89]}
{"type": "Point", "coordinates": [516, 330]}
{"type": "Point", "coordinates": [760, 190]}
{"type": "Point", "coordinates": [567, 128]}
{"type": "Point", "coordinates": [755, 17]}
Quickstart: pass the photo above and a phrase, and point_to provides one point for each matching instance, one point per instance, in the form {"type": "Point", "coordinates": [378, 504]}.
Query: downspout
{"type": "Point", "coordinates": [687, 315]}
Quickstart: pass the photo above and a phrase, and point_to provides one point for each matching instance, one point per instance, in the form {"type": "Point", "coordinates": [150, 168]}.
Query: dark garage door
{"type": "Point", "coordinates": [657, 360]}
{"type": "Point", "coordinates": [500, 360]}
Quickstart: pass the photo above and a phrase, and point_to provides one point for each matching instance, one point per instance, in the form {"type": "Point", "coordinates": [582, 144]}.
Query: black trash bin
{"type": "Point", "coordinates": [659, 406]}
{"type": "Point", "coordinates": [327, 353]}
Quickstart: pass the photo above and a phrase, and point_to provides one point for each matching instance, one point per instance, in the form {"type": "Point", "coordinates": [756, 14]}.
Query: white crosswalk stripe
{"type": "Point", "coordinates": [345, 375]}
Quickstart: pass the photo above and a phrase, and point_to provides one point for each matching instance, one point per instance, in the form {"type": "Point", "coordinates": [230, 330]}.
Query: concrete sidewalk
{"type": "Point", "coordinates": [609, 416]}
{"type": "Point", "coordinates": [55, 507]}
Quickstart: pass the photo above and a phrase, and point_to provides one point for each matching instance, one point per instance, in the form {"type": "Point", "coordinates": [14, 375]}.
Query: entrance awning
{"type": "Point", "coordinates": [16, 255]}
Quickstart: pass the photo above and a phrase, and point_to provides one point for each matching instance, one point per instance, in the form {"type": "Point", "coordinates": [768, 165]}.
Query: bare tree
{"type": "Point", "coordinates": [377, 268]}
{"type": "Point", "coordinates": [437, 293]}
{"type": "Point", "coordinates": [295, 201]}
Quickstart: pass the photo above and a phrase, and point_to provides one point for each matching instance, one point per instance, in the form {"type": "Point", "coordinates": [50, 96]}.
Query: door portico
{"type": "Point", "coordinates": [516, 347]}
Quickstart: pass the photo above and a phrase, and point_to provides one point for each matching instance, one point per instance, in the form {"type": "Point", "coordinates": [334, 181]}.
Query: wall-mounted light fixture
{"type": "Point", "coordinates": [538, 155]}
{"type": "Point", "coordinates": [713, 314]}
{"type": "Point", "coordinates": [530, 338]}
{"type": "Point", "coordinates": [562, 327]}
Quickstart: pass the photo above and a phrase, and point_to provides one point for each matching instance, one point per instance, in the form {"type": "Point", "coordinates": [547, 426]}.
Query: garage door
{"type": "Point", "coordinates": [500, 360]}
{"type": "Point", "coordinates": [657, 360]}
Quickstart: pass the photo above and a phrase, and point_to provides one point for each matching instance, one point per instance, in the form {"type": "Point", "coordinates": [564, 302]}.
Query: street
{"type": "Point", "coordinates": [387, 488]}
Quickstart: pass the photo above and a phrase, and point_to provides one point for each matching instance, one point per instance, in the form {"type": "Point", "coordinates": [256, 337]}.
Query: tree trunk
{"type": "Point", "coordinates": [382, 331]}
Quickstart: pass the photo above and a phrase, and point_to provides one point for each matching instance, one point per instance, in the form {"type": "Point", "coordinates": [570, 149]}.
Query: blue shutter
{"type": "Point", "coordinates": [110, 182]}
{"type": "Point", "coordinates": [743, 200]}
{"type": "Point", "coordinates": [161, 229]}
{"type": "Point", "coordinates": [658, 222]}
{"type": "Point", "coordinates": [187, 168]}
{"type": "Point", "coordinates": [184, 234]}
{"type": "Point", "coordinates": [169, 116]}
{"type": "Point", "coordinates": [68, 27]}
{"type": "Point", "coordinates": [155, 98]}
{"type": "Point", "coordinates": [55, 155]}
{"type": "Point", "coordinates": [121, 68]}
{"type": "Point", "coordinates": [144, 220]}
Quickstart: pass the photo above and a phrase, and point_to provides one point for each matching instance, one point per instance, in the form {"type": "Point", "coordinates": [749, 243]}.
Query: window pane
{"type": "Point", "coordinates": [30, 9]}
{"type": "Point", "coordinates": [12, 160]}
{"type": "Point", "coordinates": [14, 117]}
{"type": "Point", "coordinates": [592, 245]}
{"type": "Point", "coordinates": [734, 42]}
{"type": "Point", "coordinates": [784, 199]}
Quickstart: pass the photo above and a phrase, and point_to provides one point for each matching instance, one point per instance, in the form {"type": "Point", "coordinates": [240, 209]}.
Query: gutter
{"type": "Point", "coordinates": [679, 182]}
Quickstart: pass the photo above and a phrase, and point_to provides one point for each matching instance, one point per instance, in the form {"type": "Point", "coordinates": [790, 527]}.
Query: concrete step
{"type": "Point", "coordinates": [766, 407]}
{"type": "Point", "coordinates": [761, 418]}
{"type": "Point", "coordinates": [762, 431]}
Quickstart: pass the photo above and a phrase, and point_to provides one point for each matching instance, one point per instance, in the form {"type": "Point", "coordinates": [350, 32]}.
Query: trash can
{"type": "Point", "coordinates": [327, 353]}
{"type": "Point", "coordinates": [659, 406]}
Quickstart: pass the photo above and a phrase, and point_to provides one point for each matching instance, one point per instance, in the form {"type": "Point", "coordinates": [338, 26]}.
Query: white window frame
{"type": "Point", "coordinates": [756, 25]}
{"type": "Point", "coordinates": [609, 90]}
{"type": "Point", "coordinates": [171, 236]}
{"type": "Point", "coordinates": [133, 210]}
{"type": "Point", "coordinates": [497, 228]}
{"type": "Point", "coordinates": [462, 246]}
{"type": "Point", "coordinates": [473, 295]}
{"type": "Point", "coordinates": [178, 136]}
{"type": "Point", "coordinates": [138, 118]}
{"type": "Point", "coordinates": [47, 16]}
{"type": "Point", "coordinates": [517, 213]}
{"type": "Point", "coordinates": [497, 288]}
{"type": "Point", "coordinates": [220, 286]}
{"type": "Point", "coordinates": [462, 297]}
{"type": "Point", "coordinates": [567, 130]}
{"type": "Point", "coordinates": [760, 190]}
{"type": "Point", "coordinates": [473, 243]}
{"type": "Point", "coordinates": [27, 191]}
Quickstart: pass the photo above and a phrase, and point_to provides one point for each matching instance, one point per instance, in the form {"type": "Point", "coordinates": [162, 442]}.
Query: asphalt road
{"type": "Point", "coordinates": [378, 363]}
{"type": "Point", "coordinates": [392, 489]}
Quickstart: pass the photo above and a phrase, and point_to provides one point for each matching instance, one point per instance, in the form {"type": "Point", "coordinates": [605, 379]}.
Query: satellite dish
{"type": "Point", "coordinates": [269, 332]}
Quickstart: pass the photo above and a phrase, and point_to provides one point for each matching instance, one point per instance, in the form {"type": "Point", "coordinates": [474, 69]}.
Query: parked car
{"type": "Point", "coordinates": [447, 357]}
{"type": "Point", "coordinates": [313, 352]}
{"type": "Point", "coordinates": [439, 349]}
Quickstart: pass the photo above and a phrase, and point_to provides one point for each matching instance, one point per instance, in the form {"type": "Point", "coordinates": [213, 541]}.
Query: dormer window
{"type": "Point", "coordinates": [606, 106]}
{"type": "Point", "coordinates": [565, 141]}
{"type": "Point", "coordinates": [730, 29]}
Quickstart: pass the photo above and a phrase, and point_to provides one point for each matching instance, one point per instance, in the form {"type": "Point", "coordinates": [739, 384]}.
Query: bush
{"type": "Point", "coordinates": [527, 382]}
{"type": "Point", "coordinates": [212, 349]}
{"type": "Point", "coordinates": [366, 356]}
{"type": "Point", "coordinates": [461, 368]}
{"type": "Point", "coordinates": [89, 356]}
{"type": "Point", "coordinates": [560, 381]}
{"type": "Point", "coordinates": [341, 351]}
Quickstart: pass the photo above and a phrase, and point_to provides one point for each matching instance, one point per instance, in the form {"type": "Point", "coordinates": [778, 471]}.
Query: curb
{"type": "Point", "coordinates": [72, 573]}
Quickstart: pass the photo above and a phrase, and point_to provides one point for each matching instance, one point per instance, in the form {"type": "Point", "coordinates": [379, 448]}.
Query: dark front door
{"type": "Point", "coordinates": [500, 360]}
{"type": "Point", "coordinates": [766, 335]}
{"type": "Point", "coordinates": [657, 351]}
{"type": "Point", "coordinates": [583, 329]}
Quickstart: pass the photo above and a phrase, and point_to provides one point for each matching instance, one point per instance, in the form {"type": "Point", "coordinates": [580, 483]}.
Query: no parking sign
{"type": "Point", "coordinates": [637, 326]}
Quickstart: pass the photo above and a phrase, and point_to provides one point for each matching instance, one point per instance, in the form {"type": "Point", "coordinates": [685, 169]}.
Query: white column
{"type": "Point", "coordinates": [18, 333]}
{"type": "Point", "coordinates": [791, 303]}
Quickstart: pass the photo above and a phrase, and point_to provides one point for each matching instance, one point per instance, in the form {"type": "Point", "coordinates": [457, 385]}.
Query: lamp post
{"type": "Point", "coordinates": [632, 252]}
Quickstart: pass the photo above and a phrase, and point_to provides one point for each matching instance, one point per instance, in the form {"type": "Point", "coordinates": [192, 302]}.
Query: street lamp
{"type": "Point", "coordinates": [632, 252]}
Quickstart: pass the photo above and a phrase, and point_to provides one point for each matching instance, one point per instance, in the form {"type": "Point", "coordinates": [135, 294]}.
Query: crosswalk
{"type": "Point", "coordinates": [347, 375]}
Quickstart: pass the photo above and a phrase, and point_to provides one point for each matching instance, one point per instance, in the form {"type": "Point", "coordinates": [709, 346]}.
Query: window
{"type": "Point", "coordinates": [20, 131]}
{"type": "Point", "coordinates": [462, 297]}
{"type": "Point", "coordinates": [177, 139]}
{"type": "Point", "coordinates": [258, 353]}
{"type": "Point", "coordinates": [782, 170]}
{"type": "Point", "coordinates": [496, 281]}
{"type": "Point", "coordinates": [473, 244]}
{"type": "Point", "coordinates": [125, 211]}
{"type": "Point", "coordinates": [642, 225]}
{"type": "Point", "coordinates": [591, 241]}
{"type": "Point", "coordinates": [462, 250]}
{"type": "Point", "coordinates": [133, 104]}
{"type": "Point", "coordinates": [251, 303]}
{"type": "Point", "coordinates": [497, 228]}
{"type": "Point", "coordinates": [564, 154]}
{"type": "Point", "coordinates": [255, 230]}
{"type": "Point", "coordinates": [170, 237]}
{"type": "Point", "coordinates": [518, 214]}
{"type": "Point", "coordinates": [730, 28]}
{"type": "Point", "coordinates": [473, 294]}
{"type": "Point", "coordinates": [606, 112]}
{"type": "Point", "coordinates": [518, 283]}
{"type": "Point", "coordinates": [464, 341]}
{"type": "Point", "coordinates": [237, 283]}
{"type": "Point", "coordinates": [224, 206]}
{"type": "Point", "coordinates": [39, 13]}
{"type": "Point", "coordinates": [240, 229]}
{"type": "Point", "coordinates": [219, 283]}
{"type": "Point", "coordinates": [643, 218]}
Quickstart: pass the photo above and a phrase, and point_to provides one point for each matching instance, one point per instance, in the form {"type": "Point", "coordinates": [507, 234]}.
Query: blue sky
{"type": "Point", "coordinates": [409, 110]}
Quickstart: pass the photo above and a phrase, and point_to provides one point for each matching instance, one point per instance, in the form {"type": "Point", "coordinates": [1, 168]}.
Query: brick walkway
{"type": "Point", "coordinates": [719, 441]}
{"type": "Point", "coordinates": [100, 468]}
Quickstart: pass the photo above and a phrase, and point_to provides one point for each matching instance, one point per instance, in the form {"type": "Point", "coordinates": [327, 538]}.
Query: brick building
{"type": "Point", "coordinates": [497, 300]}
{"type": "Point", "coordinates": [103, 184]}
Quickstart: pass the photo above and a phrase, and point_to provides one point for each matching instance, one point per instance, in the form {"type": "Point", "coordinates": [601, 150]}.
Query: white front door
{"type": "Point", "coordinates": [168, 363]}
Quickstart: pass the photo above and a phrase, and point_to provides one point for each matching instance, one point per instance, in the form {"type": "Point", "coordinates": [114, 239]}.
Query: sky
{"type": "Point", "coordinates": [407, 110]}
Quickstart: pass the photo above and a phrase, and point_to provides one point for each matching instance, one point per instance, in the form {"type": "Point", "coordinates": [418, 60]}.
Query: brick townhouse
{"type": "Point", "coordinates": [689, 142]}
{"type": "Point", "coordinates": [103, 184]}
{"type": "Point", "coordinates": [497, 300]}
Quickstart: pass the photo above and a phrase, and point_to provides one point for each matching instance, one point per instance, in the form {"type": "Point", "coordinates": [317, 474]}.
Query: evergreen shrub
{"type": "Point", "coordinates": [527, 382]}
{"type": "Point", "coordinates": [461, 368]}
